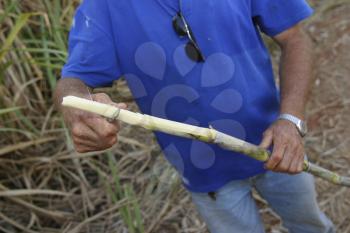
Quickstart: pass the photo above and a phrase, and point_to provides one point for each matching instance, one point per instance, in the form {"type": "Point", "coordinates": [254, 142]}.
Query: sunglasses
{"type": "Point", "coordinates": [182, 29]}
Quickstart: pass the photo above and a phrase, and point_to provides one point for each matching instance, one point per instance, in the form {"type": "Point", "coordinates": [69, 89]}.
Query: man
{"type": "Point", "coordinates": [203, 62]}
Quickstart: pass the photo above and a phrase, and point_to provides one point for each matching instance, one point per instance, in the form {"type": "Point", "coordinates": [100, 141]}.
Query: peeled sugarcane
{"type": "Point", "coordinates": [208, 135]}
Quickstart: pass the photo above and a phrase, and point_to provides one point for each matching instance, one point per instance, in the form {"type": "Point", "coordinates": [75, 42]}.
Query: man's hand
{"type": "Point", "coordinates": [295, 81]}
{"type": "Point", "coordinates": [91, 132]}
{"type": "Point", "coordinates": [288, 149]}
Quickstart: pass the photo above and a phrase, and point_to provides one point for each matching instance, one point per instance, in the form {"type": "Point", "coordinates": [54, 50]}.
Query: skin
{"type": "Point", "coordinates": [94, 133]}
{"type": "Point", "coordinates": [295, 84]}
{"type": "Point", "coordinates": [89, 132]}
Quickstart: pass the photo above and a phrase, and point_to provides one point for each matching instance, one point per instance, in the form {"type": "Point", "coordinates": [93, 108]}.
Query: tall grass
{"type": "Point", "coordinates": [32, 52]}
{"type": "Point", "coordinates": [35, 151]}
{"type": "Point", "coordinates": [130, 213]}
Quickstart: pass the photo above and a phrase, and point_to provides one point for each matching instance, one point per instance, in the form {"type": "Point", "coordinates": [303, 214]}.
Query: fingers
{"type": "Point", "coordinates": [102, 127]}
{"type": "Point", "coordinates": [288, 150]}
{"type": "Point", "coordinates": [91, 132]}
{"type": "Point", "coordinates": [267, 139]}
{"type": "Point", "coordinates": [84, 141]}
{"type": "Point", "coordinates": [122, 105]}
{"type": "Point", "coordinates": [81, 131]}
{"type": "Point", "coordinates": [104, 98]}
{"type": "Point", "coordinates": [83, 148]}
{"type": "Point", "coordinates": [101, 134]}
{"type": "Point", "coordinates": [285, 163]}
{"type": "Point", "coordinates": [98, 138]}
{"type": "Point", "coordinates": [292, 162]}
{"type": "Point", "coordinates": [296, 166]}
{"type": "Point", "coordinates": [276, 156]}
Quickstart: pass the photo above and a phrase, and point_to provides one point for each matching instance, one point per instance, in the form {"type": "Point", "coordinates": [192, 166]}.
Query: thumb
{"type": "Point", "coordinates": [121, 105]}
{"type": "Point", "coordinates": [267, 139]}
{"type": "Point", "coordinates": [104, 98]}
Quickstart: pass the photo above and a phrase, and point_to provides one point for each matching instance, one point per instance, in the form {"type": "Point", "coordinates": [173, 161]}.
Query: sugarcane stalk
{"type": "Point", "coordinates": [208, 135]}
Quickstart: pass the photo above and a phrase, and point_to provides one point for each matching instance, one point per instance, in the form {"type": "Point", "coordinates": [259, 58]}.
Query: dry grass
{"type": "Point", "coordinates": [46, 187]}
{"type": "Point", "coordinates": [329, 109]}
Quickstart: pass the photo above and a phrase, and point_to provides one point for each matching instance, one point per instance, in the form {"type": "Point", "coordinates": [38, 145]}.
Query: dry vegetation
{"type": "Point", "coordinates": [46, 187]}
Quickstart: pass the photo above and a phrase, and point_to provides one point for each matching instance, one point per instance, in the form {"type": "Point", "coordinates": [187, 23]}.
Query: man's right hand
{"type": "Point", "coordinates": [91, 132]}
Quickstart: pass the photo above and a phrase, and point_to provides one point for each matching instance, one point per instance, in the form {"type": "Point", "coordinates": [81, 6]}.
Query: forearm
{"type": "Point", "coordinates": [69, 86]}
{"type": "Point", "coordinates": [295, 74]}
{"type": "Point", "coordinates": [295, 82]}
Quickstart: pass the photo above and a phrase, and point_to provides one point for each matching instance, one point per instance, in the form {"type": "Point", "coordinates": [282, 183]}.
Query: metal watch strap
{"type": "Point", "coordinates": [296, 121]}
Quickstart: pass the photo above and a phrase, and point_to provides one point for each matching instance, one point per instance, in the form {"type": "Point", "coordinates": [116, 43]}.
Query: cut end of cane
{"type": "Point", "coordinates": [105, 110]}
{"type": "Point", "coordinates": [73, 101]}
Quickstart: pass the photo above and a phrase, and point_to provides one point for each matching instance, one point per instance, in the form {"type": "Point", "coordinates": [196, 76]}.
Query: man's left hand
{"type": "Point", "coordinates": [288, 149]}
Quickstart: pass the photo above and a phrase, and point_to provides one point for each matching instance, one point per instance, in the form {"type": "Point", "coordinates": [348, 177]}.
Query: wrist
{"type": "Point", "coordinates": [300, 124]}
{"type": "Point", "coordinates": [293, 111]}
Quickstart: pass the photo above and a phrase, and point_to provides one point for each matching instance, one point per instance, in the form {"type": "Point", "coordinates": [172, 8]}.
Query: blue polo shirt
{"type": "Point", "coordinates": [233, 90]}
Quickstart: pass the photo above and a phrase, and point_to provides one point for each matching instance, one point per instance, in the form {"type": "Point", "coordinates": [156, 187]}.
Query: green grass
{"type": "Point", "coordinates": [131, 212]}
{"type": "Point", "coordinates": [33, 49]}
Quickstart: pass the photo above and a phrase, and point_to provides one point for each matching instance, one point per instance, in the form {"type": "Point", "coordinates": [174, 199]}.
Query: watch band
{"type": "Point", "coordinates": [299, 124]}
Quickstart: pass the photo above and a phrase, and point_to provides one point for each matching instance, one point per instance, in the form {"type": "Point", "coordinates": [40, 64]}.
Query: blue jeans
{"type": "Point", "coordinates": [293, 198]}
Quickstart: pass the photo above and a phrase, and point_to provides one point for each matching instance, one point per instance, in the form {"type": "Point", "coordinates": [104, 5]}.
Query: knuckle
{"type": "Point", "coordinates": [76, 131]}
{"type": "Point", "coordinates": [104, 134]}
{"type": "Point", "coordinates": [112, 131]}
{"type": "Point", "coordinates": [112, 142]}
{"type": "Point", "coordinates": [108, 133]}
{"type": "Point", "coordinates": [110, 139]}
{"type": "Point", "coordinates": [103, 97]}
{"type": "Point", "coordinates": [277, 157]}
{"type": "Point", "coordinates": [94, 121]}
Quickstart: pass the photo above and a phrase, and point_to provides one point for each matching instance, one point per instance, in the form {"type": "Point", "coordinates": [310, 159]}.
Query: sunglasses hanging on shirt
{"type": "Point", "coordinates": [182, 29]}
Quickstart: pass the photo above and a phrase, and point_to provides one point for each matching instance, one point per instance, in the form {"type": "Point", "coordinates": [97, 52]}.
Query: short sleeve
{"type": "Point", "coordinates": [276, 16]}
{"type": "Point", "coordinates": [92, 55]}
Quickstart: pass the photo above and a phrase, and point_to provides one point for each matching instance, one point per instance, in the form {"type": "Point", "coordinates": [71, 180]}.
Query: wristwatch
{"type": "Point", "coordinates": [299, 124]}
